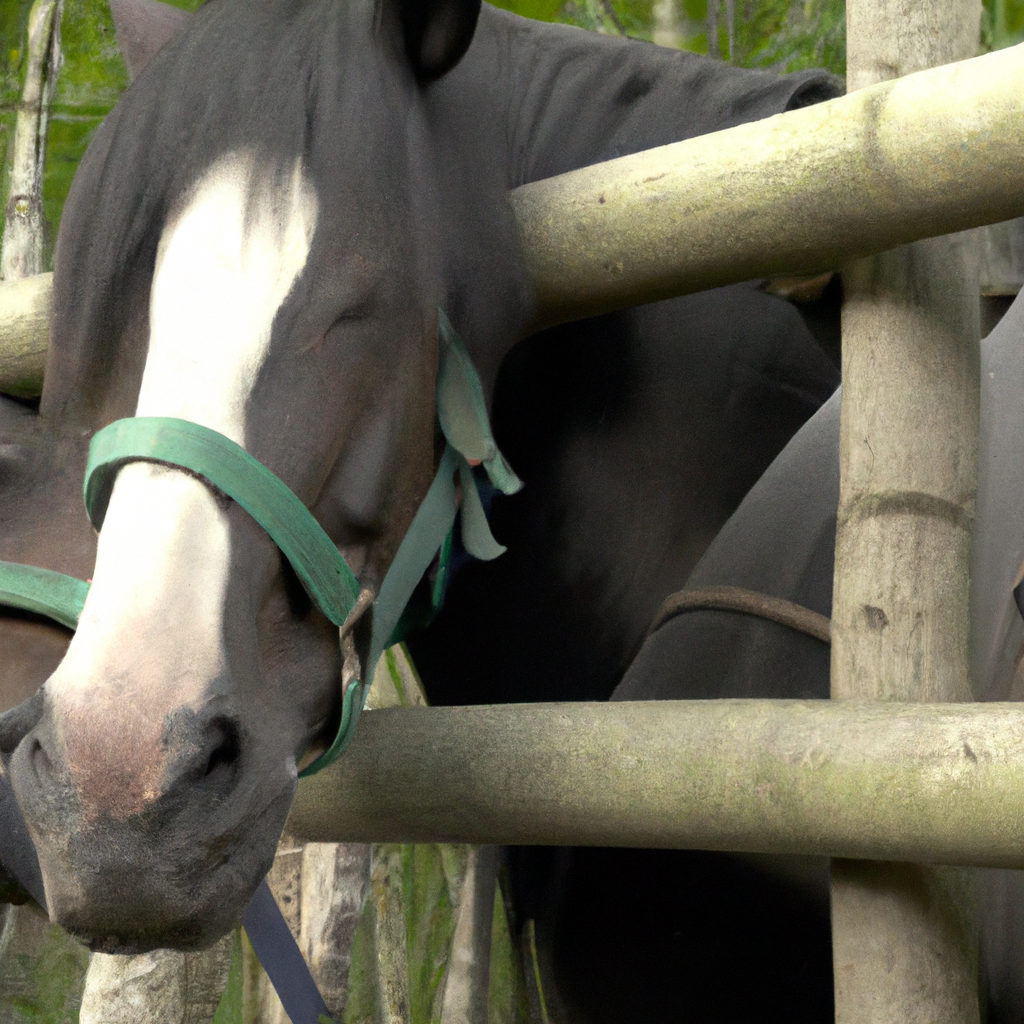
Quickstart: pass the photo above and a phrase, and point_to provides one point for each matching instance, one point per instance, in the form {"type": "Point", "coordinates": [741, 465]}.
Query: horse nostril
{"type": "Point", "coordinates": [39, 759]}
{"type": "Point", "coordinates": [225, 747]}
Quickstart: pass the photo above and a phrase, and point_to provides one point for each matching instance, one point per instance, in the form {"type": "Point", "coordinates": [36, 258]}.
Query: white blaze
{"type": "Point", "coordinates": [217, 286]}
{"type": "Point", "coordinates": [227, 259]}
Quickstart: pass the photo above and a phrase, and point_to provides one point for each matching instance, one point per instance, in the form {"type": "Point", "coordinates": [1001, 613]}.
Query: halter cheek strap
{"type": "Point", "coordinates": [316, 560]}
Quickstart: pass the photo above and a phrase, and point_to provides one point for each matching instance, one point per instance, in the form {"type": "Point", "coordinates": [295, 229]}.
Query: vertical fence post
{"type": "Point", "coordinates": [902, 940]}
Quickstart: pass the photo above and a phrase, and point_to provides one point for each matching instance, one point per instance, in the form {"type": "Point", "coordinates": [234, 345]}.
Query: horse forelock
{"type": "Point", "coordinates": [260, 77]}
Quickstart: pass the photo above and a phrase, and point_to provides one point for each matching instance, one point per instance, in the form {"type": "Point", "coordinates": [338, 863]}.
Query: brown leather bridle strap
{"type": "Point", "coordinates": [747, 602]}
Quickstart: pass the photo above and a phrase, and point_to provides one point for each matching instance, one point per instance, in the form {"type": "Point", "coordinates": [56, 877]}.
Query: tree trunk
{"type": "Point", "coordinates": [665, 15]}
{"type": "Point", "coordinates": [902, 941]}
{"type": "Point", "coordinates": [21, 253]}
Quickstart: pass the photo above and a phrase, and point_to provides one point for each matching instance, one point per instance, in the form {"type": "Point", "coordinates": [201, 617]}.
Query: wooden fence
{"type": "Point", "coordinates": [896, 161]}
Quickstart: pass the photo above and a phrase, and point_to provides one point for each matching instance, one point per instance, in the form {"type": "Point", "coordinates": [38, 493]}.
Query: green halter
{"type": "Point", "coordinates": [329, 581]}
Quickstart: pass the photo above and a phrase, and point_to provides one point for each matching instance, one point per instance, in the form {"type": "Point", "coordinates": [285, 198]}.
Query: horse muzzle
{"type": "Point", "coordinates": [137, 854]}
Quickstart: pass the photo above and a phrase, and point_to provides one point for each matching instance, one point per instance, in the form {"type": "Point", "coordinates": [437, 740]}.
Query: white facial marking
{"type": "Point", "coordinates": [154, 616]}
{"type": "Point", "coordinates": [217, 286]}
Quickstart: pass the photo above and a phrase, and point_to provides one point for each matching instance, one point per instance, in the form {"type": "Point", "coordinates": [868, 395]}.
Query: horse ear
{"type": "Point", "coordinates": [437, 33]}
{"type": "Point", "coordinates": [142, 27]}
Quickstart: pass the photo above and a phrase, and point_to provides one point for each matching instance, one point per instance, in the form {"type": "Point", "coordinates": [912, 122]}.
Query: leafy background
{"type": "Point", "coordinates": [784, 35]}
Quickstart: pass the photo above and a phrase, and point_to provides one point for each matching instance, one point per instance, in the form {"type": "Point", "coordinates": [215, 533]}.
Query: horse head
{"type": "Point", "coordinates": [257, 241]}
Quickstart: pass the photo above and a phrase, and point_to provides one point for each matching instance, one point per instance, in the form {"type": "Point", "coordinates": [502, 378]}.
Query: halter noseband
{"type": "Point", "coordinates": [324, 573]}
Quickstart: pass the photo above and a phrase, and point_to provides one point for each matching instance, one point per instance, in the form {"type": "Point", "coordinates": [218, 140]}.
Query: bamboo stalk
{"type": "Point", "coordinates": [938, 783]}
{"type": "Point", "coordinates": [21, 253]}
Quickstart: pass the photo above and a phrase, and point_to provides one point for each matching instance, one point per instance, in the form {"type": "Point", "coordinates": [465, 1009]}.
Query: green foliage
{"type": "Point", "coordinates": [91, 80]}
{"type": "Point", "coordinates": [1002, 24]}
{"type": "Point", "coordinates": [42, 970]}
{"type": "Point", "coordinates": [229, 1010]}
{"type": "Point", "coordinates": [784, 35]}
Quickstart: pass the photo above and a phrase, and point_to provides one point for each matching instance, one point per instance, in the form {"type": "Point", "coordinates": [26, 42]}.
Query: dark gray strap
{"type": "Point", "coordinates": [275, 947]}
{"type": "Point", "coordinates": [746, 602]}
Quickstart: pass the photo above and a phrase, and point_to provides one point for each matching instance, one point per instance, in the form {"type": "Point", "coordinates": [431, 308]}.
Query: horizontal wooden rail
{"type": "Point", "coordinates": [940, 783]}
{"type": "Point", "coordinates": [24, 333]}
{"type": "Point", "coordinates": [801, 192]}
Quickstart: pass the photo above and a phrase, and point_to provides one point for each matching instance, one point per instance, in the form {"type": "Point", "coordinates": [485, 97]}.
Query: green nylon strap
{"type": "Point", "coordinates": [461, 409]}
{"type": "Point", "coordinates": [43, 591]}
{"type": "Point", "coordinates": [425, 536]}
{"type": "Point", "coordinates": [326, 576]}
{"type": "Point", "coordinates": [229, 467]}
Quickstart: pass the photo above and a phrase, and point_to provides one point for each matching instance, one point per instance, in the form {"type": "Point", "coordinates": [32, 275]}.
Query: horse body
{"type": "Point", "coordinates": [286, 194]}
{"type": "Point", "coordinates": [781, 542]}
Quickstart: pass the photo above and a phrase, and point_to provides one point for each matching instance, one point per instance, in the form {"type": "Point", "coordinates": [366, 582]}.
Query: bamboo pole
{"type": "Point", "coordinates": [25, 293]}
{"type": "Point", "coordinates": [942, 783]}
{"type": "Point", "coordinates": [904, 946]}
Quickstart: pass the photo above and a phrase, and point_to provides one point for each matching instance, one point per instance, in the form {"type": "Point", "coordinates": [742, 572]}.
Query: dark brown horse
{"type": "Point", "coordinates": [258, 241]}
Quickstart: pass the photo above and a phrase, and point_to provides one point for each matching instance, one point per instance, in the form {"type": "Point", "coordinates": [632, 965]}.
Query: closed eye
{"type": "Point", "coordinates": [357, 312]}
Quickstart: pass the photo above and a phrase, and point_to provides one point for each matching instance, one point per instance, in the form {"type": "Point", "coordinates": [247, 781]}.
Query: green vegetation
{"type": "Point", "coordinates": [784, 35]}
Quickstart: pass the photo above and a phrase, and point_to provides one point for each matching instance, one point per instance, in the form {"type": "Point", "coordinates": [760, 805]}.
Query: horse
{"type": "Point", "coordinates": [238, 250]}
{"type": "Point", "coordinates": [708, 644]}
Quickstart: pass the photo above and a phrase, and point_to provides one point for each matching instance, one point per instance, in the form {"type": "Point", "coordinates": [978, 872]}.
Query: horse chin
{"type": "Point", "coordinates": [176, 871]}
{"type": "Point", "coordinates": [138, 907]}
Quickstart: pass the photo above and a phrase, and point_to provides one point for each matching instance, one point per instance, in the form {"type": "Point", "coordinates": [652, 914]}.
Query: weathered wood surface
{"type": "Point", "coordinates": [857, 779]}
{"type": "Point", "coordinates": [21, 251]}
{"type": "Point", "coordinates": [24, 333]}
{"type": "Point", "coordinates": [800, 192]}
{"type": "Point", "coordinates": [904, 946]}
{"type": "Point", "coordinates": [162, 985]}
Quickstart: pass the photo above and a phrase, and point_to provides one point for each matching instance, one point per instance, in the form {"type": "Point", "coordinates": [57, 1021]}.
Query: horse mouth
{"type": "Point", "coordinates": [154, 898]}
